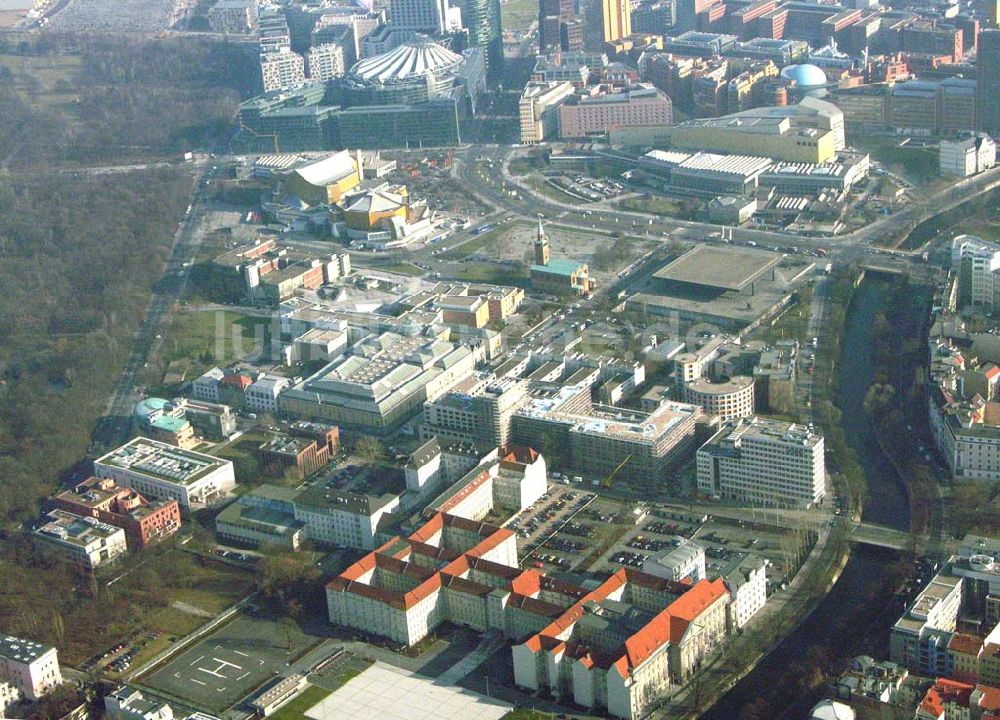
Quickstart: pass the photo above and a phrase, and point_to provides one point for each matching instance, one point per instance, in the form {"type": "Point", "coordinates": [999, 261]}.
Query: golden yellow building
{"type": "Point", "coordinates": [617, 17]}
{"type": "Point", "coordinates": [322, 182]}
{"type": "Point", "coordinates": [366, 212]}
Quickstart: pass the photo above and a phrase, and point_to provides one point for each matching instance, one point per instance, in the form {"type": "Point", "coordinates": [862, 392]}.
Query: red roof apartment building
{"type": "Point", "coordinates": [634, 638]}
{"type": "Point", "coordinates": [144, 522]}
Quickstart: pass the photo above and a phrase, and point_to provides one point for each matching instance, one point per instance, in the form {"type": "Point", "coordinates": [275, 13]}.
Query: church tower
{"type": "Point", "coordinates": [541, 245]}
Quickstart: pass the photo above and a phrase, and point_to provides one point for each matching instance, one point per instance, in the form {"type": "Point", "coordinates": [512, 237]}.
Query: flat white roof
{"type": "Point", "coordinates": [390, 693]}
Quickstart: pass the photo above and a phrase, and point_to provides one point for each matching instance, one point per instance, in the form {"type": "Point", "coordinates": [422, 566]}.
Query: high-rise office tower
{"type": "Point", "coordinates": [617, 16]}
{"type": "Point", "coordinates": [988, 82]}
{"type": "Point", "coordinates": [424, 16]}
{"type": "Point", "coordinates": [606, 21]}
{"type": "Point", "coordinates": [551, 15]}
{"type": "Point", "coordinates": [482, 19]}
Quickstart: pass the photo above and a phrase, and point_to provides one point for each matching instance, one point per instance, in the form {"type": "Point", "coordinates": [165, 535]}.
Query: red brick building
{"type": "Point", "coordinates": [144, 522]}
{"type": "Point", "coordinates": [308, 447]}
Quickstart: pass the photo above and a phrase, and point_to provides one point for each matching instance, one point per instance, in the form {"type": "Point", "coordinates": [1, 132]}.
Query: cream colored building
{"type": "Point", "coordinates": [764, 462]}
{"type": "Point", "coordinates": [539, 109]}
{"type": "Point", "coordinates": [30, 667]}
{"type": "Point", "coordinates": [629, 642]}
{"type": "Point", "coordinates": [729, 400]}
{"type": "Point", "coordinates": [381, 383]}
{"type": "Point", "coordinates": [81, 540]}
{"type": "Point", "coordinates": [811, 131]}
{"type": "Point", "coordinates": [282, 70]}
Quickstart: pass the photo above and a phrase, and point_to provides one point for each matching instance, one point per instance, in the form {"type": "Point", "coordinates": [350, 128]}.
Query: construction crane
{"type": "Point", "coordinates": [609, 480]}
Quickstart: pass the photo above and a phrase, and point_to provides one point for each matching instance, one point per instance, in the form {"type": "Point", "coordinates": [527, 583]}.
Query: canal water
{"type": "Point", "coordinates": [856, 615]}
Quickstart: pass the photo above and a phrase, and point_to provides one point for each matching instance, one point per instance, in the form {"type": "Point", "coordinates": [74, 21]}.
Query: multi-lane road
{"type": "Point", "coordinates": [499, 184]}
{"type": "Point", "coordinates": [114, 426]}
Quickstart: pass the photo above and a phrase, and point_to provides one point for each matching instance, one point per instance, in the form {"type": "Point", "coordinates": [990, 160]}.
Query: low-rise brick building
{"type": "Point", "coordinates": [143, 521]}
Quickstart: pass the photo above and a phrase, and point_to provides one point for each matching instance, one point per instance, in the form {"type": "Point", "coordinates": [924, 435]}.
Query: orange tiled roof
{"type": "Point", "coordinates": [392, 557]}
{"type": "Point", "coordinates": [240, 381]}
{"type": "Point", "coordinates": [989, 698]}
{"type": "Point", "coordinates": [527, 583]}
{"type": "Point", "coordinates": [517, 455]}
{"type": "Point", "coordinates": [944, 692]}
{"type": "Point", "coordinates": [470, 487]}
{"type": "Point", "coordinates": [964, 643]}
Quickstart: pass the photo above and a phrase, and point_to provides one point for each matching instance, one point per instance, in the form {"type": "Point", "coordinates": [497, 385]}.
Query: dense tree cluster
{"type": "Point", "coordinates": [78, 258]}
{"type": "Point", "coordinates": [129, 99]}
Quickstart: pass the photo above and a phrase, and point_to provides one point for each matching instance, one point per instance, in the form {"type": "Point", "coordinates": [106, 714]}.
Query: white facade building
{"type": "Point", "coordinates": [684, 561]}
{"type": "Point", "coordinates": [919, 639]}
{"type": "Point", "coordinates": [206, 387]}
{"type": "Point", "coordinates": [539, 109]}
{"type": "Point", "coordinates": [326, 62]}
{"type": "Point", "coordinates": [423, 471]}
{"type": "Point", "coordinates": [975, 262]}
{"type": "Point", "coordinates": [764, 462]}
{"type": "Point", "coordinates": [512, 478]}
{"type": "Point", "coordinates": [962, 158]}
{"type": "Point", "coordinates": [343, 519]}
{"type": "Point", "coordinates": [233, 17]}
{"type": "Point", "coordinates": [282, 70]}
{"type": "Point", "coordinates": [432, 17]}
{"type": "Point", "coordinates": [84, 540]}
{"type": "Point", "coordinates": [262, 395]}
{"type": "Point", "coordinates": [520, 478]}
{"type": "Point", "coordinates": [746, 579]}
{"type": "Point", "coordinates": [730, 400]}
{"type": "Point", "coordinates": [129, 704]}
{"type": "Point", "coordinates": [159, 470]}
{"type": "Point", "coordinates": [30, 667]}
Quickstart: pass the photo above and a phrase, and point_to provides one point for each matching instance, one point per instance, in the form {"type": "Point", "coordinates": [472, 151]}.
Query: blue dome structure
{"type": "Point", "coordinates": [809, 80]}
{"type": "Point", "coordinates": [147, 406]}
{"type": "Point", "coordinates": [805, 75]}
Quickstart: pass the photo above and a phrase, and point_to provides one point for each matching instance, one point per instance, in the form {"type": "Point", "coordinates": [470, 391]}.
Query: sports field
{"type": "Point", "coordinates": [221, 669]}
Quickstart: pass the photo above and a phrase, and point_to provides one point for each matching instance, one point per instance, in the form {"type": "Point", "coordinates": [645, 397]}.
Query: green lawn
{"type": "Point", "coordinates": [490, 273]}
{"type": "Point", "coordinates": [45, 80]}
{"type": "Point", "coordinates": [403, 269]}
{"type": "Point", "coordinates": [477, 243]}
{"type": "Point", "coordinates": [296, 709]}
{"type": "Point", "coordinates": [526, 714]}
{"type": "Point", "coordinates": [655, 206]}
{"type": "Point", "coordinates": [216, 337]}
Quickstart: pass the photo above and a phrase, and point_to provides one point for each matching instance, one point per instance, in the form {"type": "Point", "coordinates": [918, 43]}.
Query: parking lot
{"type": "Point", "coordinates": [550, 521]}
{"type": "Point", "coordinates": [119, 658]}
{"type": "Point", "coordinates": [361, 478]}
{"type": "Point", "coordinates": [574, 530]}
{"type": "Point", "coordinates": [657, 531]}
{"type": "Point", "coordinates": [588, 188]}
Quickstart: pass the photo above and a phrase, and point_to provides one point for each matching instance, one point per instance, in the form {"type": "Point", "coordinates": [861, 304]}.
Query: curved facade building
{"type": "Point", "coordinates": [412, 96]}
{"type": "Point", "coordinates": [415, 72]}
{"type": "Point", "coordinates": [729, 400]}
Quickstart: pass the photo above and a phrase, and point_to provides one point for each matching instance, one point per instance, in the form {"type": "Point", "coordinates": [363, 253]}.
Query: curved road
{"type": "Point", "coordinates": [594, 216]}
